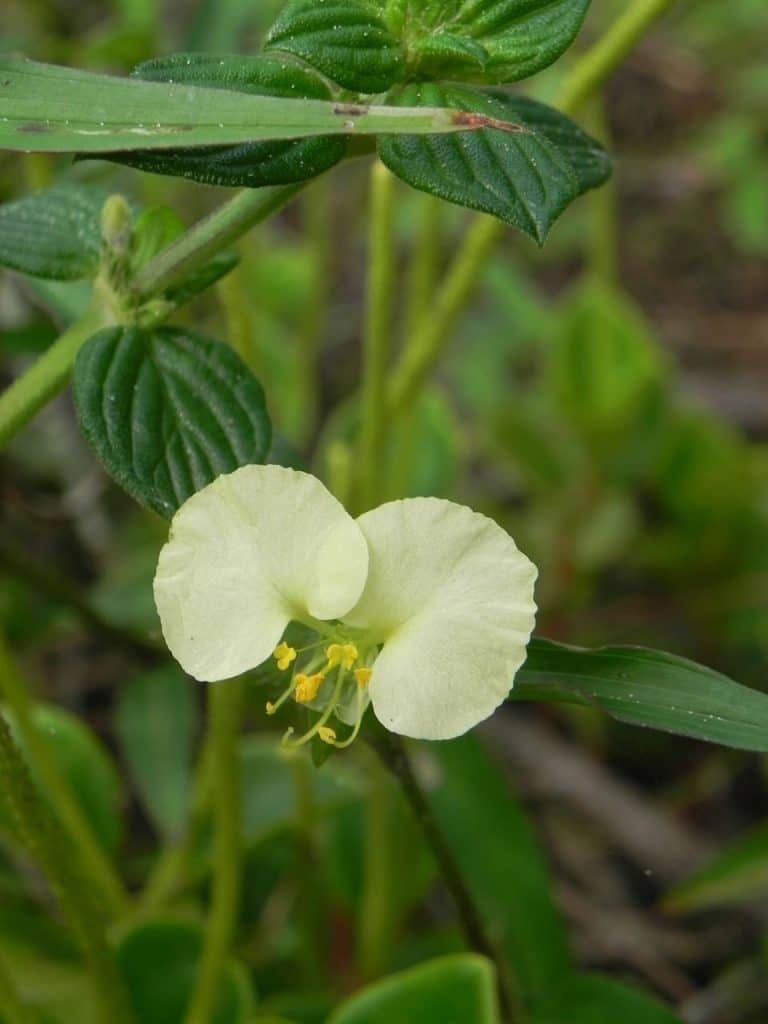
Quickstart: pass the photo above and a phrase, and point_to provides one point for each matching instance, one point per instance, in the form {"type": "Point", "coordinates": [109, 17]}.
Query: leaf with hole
{"type": "Point", "coordinates": [167, 411]}
{"type": "Point", "coordinates": [347, 40]}
{"type": "Point", "coordinates": [249, 164]}
{"type": "Point", "coordinates": [647, 688]}
{"type": "Point", "coordinates": [526, 177]}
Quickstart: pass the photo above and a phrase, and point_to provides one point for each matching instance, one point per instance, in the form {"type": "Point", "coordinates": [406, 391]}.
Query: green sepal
{"type": "Point", "coordinates": [347, 40]}
{"type": "Point", "coordinates": [247, 164]}
{"type": "Point", "coordinates": [167, 411]}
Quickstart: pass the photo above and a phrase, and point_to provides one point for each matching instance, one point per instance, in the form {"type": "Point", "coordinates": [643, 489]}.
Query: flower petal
{"type": "Point", "coordinates": [246, 555]}
{"type": "Point", "coordinates": [451, 597]}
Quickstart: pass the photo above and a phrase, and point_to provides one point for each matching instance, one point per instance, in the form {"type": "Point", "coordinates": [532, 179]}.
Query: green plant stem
{"type": "Point", "coordinates": [422, 272]}
{"type": "Point", "coordinates": [377, 335]}
{"type": "Point", "coordinates": [225, 704]}
{"type": "Point", "coordinates": [603, 235]}
{"type": "Point", "coordinates": [12, 1009]}
{"type": "Point", "coordinates": [429, 339]}
{"type": "Point", "coordinates": [392, 752]}
{"type": "Point", "coordinates": [46, 377]}
{"type": "Point", "coordinates": [103, 877]}
{"type": "Point", "coordinates": [314, 916]}
{"type": "Point", "coordinates": [318, 223]}
{"type": "Point", "coordinates": [66, 874]}
{"type": "Point", "coordinates": [378, 911]}
{"type": "Point", "coordinates": [599, 63]}
{"type": "Point", "coordinates": [209, 236]}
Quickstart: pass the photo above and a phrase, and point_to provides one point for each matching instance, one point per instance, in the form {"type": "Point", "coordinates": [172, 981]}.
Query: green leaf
{"type": "Point", "coordinates": [594, 999]}
{"type": "Point", "coordinates": [156, 725]}
{"type": "Point", "coordinates": [738, 875]}
{"type": "Point", "coordinates": [503, 864]}
{"type": "Point", "coordinates": [525, 177]}
{"type": "Point", "coordinates": [520, 37]}
{"type": "Point", "coordinates": [648, 688]}
{"type": "Point", "coordinates": [54, 233]}
{"type": "Point", "coordinates": [345, 39]}
{"type": "Point", "coordinates": [250, 164]}
{"type": "Point", "coordinates": [457, 989]}
{"type": "Point", "coordinates": [85, 766]}
{"type": "Point", "coordinates": [159, 962]}
{"type": "Point", "coordinates": [167, 411]}
{"type": "Point", "coordinates": [45, 108]}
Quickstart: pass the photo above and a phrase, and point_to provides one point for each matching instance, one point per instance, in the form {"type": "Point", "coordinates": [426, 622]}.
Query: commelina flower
{"type": "Point", "coordinates": [421, 608]}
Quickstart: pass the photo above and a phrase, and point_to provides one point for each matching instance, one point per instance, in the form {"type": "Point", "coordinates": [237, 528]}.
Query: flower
{"type": "Point", "coordinates": [420, 607]}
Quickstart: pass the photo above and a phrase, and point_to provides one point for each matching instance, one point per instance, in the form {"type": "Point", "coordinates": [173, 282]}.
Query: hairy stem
{"type": "Point", "coordinates": [429, 339]}
{"type": "Point", "coordinates": [392, 752]}
{"type": "Point", "coordinates": [39, 832]}
{"type": "Point", "coordinates": [225, 703]}
{"type": "Point", "coordinates": [209, 236]}
{"type": "Point", "coordinates": [377, 334]}
{"type": "Point", "coordinates": [46, 377]}
{"type": "Point", "coordinates": [103, 877]}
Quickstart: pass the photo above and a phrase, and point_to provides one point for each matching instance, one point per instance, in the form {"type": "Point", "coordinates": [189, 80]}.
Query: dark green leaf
{"type": "Point", "coordinates": [156, 725]}
{"type": "Point", "coordinates": [456, 989]}
{"type": "Point", "coordinates": [645, 687]}
{"type": "Point", "coordinates": [345, 39]}
{"type": "Point", "coordinates": [518, 176]}
{"type": "Point", "coordinates": [502, 864]}
{"type": "Point", "coordinates": [594, 999]}
{"type": "Point", "coordinates": [739, 875]}
{"type": "Point", "coordinates": [199, 280]}
{"type": "Point", "coordinates": [167, 411]}
{"type": "Point", "coordinates": [159, 961]}
{"type": "Point", "coordinates": [85, 766]}
{"type": "Point", "coordinates": [520, 37]}
{"type": "Point", "coordinates": [250, 164]}
{"type": "Point", "coordinates": [55, 233]}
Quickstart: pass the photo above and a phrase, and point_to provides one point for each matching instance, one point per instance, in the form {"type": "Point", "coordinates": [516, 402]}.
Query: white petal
{"type": "Point", "coordinates": [452, 598]}
{"type": "Point", "coordinates": [246, 555]}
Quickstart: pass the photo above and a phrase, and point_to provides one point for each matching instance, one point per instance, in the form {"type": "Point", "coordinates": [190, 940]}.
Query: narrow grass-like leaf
{"type": "Point", "coordinates": [516, 175]}
{"type": "Point", "coordinates": [55, 233]}
{"type": "Point", "coordinates": [455, 989]}
{"type": "Point", "coordinates": [167, 411]}
{"type": "Point", "coordinates": [738, 876]}
{"type": "Point", "coordinates": [593, 998]}
{"type": "Point", "coordinates": [647, 688]}
{"type": "Point", "coordinates": [50, 109]}
{"type": "Point", "coordinates": [345, 39]}
{"type": "Point", "coordinates": [250, 164]}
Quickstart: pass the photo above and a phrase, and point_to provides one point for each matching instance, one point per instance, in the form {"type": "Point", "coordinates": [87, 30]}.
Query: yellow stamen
{"type": "Point", "coordinates": [363, 676]}
{"type": "Point", "coordinates": [307, 686]}
{"type": "Point", "coordinates": [284, 655]}
{"type": "Point", "coordinates": [326, 734]}
{"type": "Point", "coordinates": [341, 654]}
{"type": "Point", "coordinates": [270, 707]}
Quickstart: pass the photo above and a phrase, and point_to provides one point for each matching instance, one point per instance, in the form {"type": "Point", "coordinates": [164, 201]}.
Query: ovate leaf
{"type": "Point", "coordinates": [519, 37]}
{"type": "Point", "coordinates": [594, 999]}
{"type": "Point", "coordinates": [650, 688]}
{"type": "Point", "coordinates": [345, 39]}
{"type": "Point", "coordinates": [156, 725]}
{"type": "Point", "coordinates": [167, 411]}
{"type": "Point", "coordinates": [250, 164]}
{"type": "Point", "coordinates": [54, 233]}
{"type": "Point", "coordinates": [525, 177]}
{"type": "Point", "coordinates": [457, 989]}
{"type": "Point", "coordinates": [159, 961]}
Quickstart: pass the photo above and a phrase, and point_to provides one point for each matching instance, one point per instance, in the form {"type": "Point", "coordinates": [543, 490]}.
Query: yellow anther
{"type": "Point", "coordinates": [326, 734]}
{"type": "Point", "coordinates": [363, 676]}
{"type": "Point", "coordinates": [341, 654]}
{"type": "Point", "coordinates": [270, 707]}
{"type": "Point", "coordinates": [307, 686]}
{"type": "Point", "coordinates": [284, 654]}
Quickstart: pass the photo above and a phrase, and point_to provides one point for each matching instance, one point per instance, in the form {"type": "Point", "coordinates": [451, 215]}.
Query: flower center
{"type": "Point", "coordinates": [330, 676]}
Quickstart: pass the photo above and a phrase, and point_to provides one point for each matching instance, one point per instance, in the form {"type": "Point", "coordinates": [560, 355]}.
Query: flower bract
{"type": "Point", "coordinates": [420, 607]}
